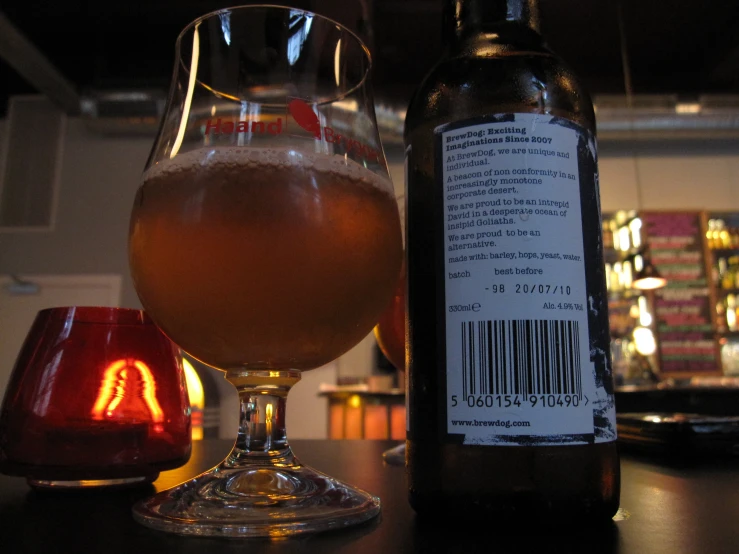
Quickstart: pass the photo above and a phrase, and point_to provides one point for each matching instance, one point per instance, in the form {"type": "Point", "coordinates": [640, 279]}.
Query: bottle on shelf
{"type": "Point", "coordinates": [721, 316]}
{"type": "Point", "coordinates": [720, 271]}
{"type": "Point", "coordinates": [730, 357]}
{"type": "Point", "coordinates": [730, 278]}
{"type": "Point", "coordinates": [608, 235]}
{"type": "Point", "coordinates": [724, 237]}
{"type": "Point", "coordinates": [711, 226]}
{"type": "Point", "coordinates": [720, 236]}
{"type": "Point", "coordinates": [510, 415]}
{"type": "Point", "coordinates": [730, 311]}
{"type": "Point", "coordinates": [733, 238]}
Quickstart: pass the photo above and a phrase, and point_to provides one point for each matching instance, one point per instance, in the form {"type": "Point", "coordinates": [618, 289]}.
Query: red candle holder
{"type": "Point", "coordinates": [97, 397]}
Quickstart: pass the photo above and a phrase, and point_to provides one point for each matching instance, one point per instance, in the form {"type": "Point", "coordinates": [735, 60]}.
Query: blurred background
{"type": "Point", "coordinates": [83, 85]}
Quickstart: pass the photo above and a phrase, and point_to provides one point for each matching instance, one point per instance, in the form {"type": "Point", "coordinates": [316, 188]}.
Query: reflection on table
{"type": "Point", "coordinates": [671, 506]}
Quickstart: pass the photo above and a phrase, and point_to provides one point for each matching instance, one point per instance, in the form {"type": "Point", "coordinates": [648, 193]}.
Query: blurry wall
{"type": "Point", "coordinates": [674, 174]}
{"type": "Point", "coordinates": [98, 181]}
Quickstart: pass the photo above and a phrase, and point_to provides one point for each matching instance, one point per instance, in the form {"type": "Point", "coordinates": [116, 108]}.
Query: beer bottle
{"type": "Point", "coordinates": [510, 399]}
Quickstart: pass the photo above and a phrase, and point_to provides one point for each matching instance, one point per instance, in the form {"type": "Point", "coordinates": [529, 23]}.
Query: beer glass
{"type": "Point", "coordinates": [390, 328]}
{"type": "Point", "coordinates": [390, 335]}
{"type": "Point", "coordinates": [265, 241]}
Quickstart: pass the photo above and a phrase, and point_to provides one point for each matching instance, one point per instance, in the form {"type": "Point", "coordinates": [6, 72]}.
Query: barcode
{"type": "Point", "coordinates": [524, 357]}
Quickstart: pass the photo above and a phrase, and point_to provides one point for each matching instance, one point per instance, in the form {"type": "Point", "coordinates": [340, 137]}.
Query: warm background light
{"type": "Point", "coordinates": [197, 398]}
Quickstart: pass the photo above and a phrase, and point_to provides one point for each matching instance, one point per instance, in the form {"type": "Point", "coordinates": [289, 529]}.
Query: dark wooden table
{"type": "Point", "coordinates": [690, 509]}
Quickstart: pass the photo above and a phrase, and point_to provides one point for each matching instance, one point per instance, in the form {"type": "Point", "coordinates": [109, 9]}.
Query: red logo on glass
{"type": "Point", "coordinates": [306, 118]}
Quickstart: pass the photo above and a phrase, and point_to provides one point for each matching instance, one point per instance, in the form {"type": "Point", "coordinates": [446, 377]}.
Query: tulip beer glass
{"type": "Point", "coordinates": [265, 241]}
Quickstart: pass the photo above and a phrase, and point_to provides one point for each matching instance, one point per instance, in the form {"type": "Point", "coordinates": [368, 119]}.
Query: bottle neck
{"type": "Point", "coordinates": [466, 18]}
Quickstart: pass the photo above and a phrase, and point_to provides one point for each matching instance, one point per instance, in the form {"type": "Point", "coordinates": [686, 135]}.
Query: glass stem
{"type": "Point", "coordinates": [263, 398]}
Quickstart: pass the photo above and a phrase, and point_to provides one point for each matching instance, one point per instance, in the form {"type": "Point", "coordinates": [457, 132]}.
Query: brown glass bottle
{"type": "Point", "coordinates": [495, 62]}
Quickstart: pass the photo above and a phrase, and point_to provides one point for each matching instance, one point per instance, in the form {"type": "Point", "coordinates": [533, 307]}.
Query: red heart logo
{"type": "Point", "coordinates": [305, 116]}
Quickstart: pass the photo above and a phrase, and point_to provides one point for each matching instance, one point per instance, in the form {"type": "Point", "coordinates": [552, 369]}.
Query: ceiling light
{"type": "Point", "coordinates": [648, 278]}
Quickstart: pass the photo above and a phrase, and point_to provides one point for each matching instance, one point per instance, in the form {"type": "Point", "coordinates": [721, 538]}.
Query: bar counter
{"type": "Point", "coordinates": [666, 508]}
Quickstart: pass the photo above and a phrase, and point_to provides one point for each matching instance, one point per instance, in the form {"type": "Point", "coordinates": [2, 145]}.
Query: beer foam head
{"type": "Point", "coordinates": [247, 157]}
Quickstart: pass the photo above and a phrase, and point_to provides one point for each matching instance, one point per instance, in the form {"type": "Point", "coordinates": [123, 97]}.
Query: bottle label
{"type": "Point", "coordinates": [527, 344]}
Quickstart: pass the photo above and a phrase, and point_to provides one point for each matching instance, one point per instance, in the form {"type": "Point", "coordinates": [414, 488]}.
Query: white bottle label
{"type": "Point", "coordinates": [520, 359]}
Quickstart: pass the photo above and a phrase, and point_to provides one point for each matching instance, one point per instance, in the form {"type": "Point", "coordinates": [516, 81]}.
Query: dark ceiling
{"type": "Point", "coordinates": [684, 47]}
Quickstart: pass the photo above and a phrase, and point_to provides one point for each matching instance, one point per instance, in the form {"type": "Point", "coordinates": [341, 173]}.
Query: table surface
{"type": "Point", "coordinates": [672, 509]}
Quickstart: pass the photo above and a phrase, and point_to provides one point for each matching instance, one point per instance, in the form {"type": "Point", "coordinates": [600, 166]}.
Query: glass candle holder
{"type": "Point", "coordinates": [97, 397]}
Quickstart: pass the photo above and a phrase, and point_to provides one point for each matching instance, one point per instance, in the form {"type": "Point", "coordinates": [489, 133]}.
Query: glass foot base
{"type": "Point", "coordinates": [90, 483]}
{"type": "Point", "coordinates": [258, 501]}
{"type": "Point", "coordinates": [395, 456]}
